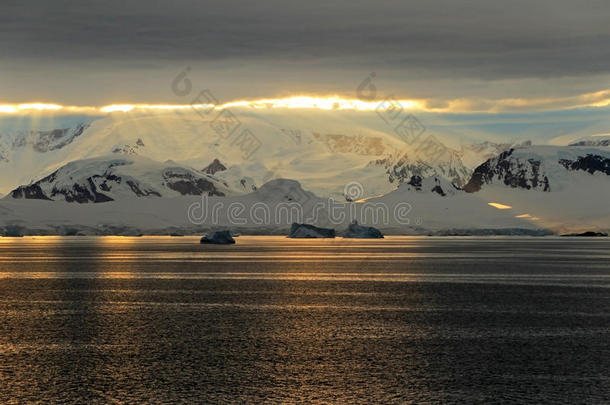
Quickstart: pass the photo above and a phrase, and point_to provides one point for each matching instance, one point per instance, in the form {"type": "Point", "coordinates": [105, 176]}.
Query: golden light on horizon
{"type": "Point", "coordinates": [8, 108]}
{"type": "Point", "coordinates": [334, 103]}
{"type": "Point", "coordinates": [320, 103]}
{"type": "Point", "coordinates": [130, 107]}
{"type": "Point", "coordinates": [39, 106]}
{"type": "Point", "coordinates": [118, 107]}
{"type": "Point", "coordinates": [43, 107]}
{"type": "Point", "coordinates": [296, 102]}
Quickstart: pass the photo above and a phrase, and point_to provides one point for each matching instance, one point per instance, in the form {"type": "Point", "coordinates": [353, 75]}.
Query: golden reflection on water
{"type": "Point", "coordinates": [267, 258]}
{"type": "Point", "coordinates": [166, 320]}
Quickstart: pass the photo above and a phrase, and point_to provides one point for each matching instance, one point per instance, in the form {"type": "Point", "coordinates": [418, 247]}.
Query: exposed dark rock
{"type": "Point", "coordinates": [415, 181]}
{"type": "Point", "coordinates": [31, 192]}
{"type": "Point", "coordinates": [310, 231]}
{"type": "Point", "coordinates": [187, 184]}
{"type": "Point", "coordinates": [439, 190]}
{"type": "Point", "coordinates": [141, 192]}
{"type": "Point", "coordinates": [589, 163]}
{"type": "Point", "coordinates": [214, 167]}
{"type": "Point", "coordinates": [82, 194]}
{"type": "Point", "coordinates": [195, 187]}
{"type": "Point", "coordinates": [512, 172]}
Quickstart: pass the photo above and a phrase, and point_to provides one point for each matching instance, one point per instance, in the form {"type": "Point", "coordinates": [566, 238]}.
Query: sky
{"type": "Point", "coordinates": [448, 56]}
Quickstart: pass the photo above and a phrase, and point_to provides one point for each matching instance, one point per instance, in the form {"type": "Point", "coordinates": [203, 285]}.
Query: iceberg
{"type": "Point", "coordinates": [588, 234]}
{"type": "Point", "coordinates": [363, 232]}
{"type": "Point", "coordinates": [310, 231]}
{"type": "Point", "coordinates": [218, 238]}
{"type": "Point", "coordinates": [13, 231]}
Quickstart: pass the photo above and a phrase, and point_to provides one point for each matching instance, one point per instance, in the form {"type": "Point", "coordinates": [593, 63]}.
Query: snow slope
{"type": "Point", "coordinates": [523, 190]}
{"type": "Point", "coordinates": [565, 189]}
{"type": "Point", "coordinates": [324, 150]}
{"type": "Point", "coordinates": [352, 157]}
{"type": "Point", "coordinates": [111, 178]}
{"type": "Point", "coordinates": [602, 140]}
{"type": "Point", "coordinates": [543, 168]}
{"type": "Point", "coordinates": [269, 210]}
{"type": "Point", "coordinates": [557, 189]}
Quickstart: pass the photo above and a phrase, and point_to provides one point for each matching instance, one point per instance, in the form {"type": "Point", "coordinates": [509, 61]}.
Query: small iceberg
{"type": "Point", "coordinates": [310, 231]}
{"type": "Point", "coordinates": [363, 232]}
{"type": "Point", "coordinates": [13, 231]}
{"type": "Point", "coordinates": [588, 234]}
{"type": "Point", "coordinates": [218, 238]}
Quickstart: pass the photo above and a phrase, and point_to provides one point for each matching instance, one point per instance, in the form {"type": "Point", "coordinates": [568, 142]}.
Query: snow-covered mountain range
{"type": "Point", "coordinates": [142, 173]}
{"type": "Point", "coordinates": [323, 151]}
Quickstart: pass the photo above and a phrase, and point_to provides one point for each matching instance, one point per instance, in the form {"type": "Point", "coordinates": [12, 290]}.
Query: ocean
{"type": "Point", "coordinates": [165, 320]}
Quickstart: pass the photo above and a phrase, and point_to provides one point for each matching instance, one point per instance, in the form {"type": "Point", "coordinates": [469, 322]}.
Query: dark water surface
{"type": "Point", "coordinates": [271, 320]}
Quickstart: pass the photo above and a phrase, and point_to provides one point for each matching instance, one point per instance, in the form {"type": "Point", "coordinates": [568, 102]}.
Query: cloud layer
{"type": "Point", "coordinates": [95, 52]}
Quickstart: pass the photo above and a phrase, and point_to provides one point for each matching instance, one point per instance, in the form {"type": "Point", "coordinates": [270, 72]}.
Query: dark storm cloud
{"type": "Point", "coordinates": [449, 38]}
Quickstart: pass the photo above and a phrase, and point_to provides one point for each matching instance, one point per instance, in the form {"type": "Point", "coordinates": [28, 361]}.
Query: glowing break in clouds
{"type": "Point", "coordinates": [598, 99]}
{"type": "Point", "coordinates": [43, 107]}
{"type": "Point", "coordinates": [318, 103]}
{"type": "Point", "coordinates": [29, 107]}
{"type": "Point", "coordinates": [304, 102]}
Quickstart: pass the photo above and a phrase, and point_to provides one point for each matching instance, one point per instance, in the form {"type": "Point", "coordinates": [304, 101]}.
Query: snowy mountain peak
{"type": "Point", "coordinates": [214, 167]}
{"type": "Point", "coordinates": [127, 149]}
{"type": "Point", "coordinates": [106, 179]}
{"type": "Point", "coordinates": [512, 170]}
{"type": "Point", "coordinates": [403, 167]}
{"type": "Point", "coordinates": [541, 168]}
{"type": "Point", "coordinates": [44, 141]}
